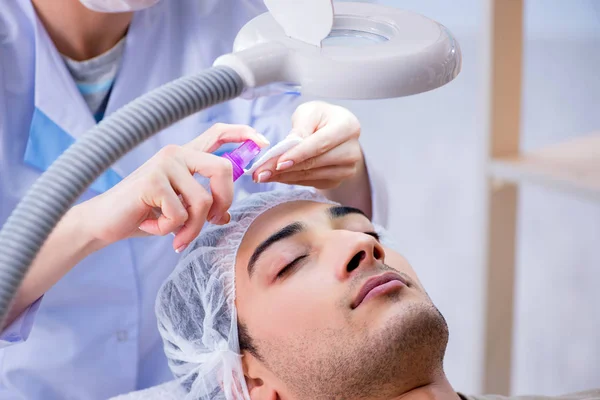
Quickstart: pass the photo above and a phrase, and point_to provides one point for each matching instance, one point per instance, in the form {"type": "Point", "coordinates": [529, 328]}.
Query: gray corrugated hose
{"type": "Point", "coordinates": [51, 196]}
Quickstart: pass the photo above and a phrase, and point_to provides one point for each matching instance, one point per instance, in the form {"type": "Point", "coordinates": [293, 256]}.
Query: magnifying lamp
{"type": "Point", "coordinates": [360, 51]}
{"type": "Point", "coordinates": [363, 51]}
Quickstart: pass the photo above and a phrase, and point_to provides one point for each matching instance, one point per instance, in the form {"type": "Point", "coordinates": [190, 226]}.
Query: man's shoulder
{"type": "Point", "coordinates": [593, 394]}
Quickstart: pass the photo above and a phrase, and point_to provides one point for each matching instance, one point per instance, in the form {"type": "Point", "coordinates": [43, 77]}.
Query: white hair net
{"type": "Point", "coordinates": [195, 307]}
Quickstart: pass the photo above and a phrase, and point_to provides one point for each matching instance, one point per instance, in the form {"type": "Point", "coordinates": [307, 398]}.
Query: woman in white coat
{"type": "Point", "coordinates": [83, 325]}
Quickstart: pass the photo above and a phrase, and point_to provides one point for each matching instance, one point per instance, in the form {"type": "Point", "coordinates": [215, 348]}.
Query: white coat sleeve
{"type": "Point", "coordinates": [18, 331]}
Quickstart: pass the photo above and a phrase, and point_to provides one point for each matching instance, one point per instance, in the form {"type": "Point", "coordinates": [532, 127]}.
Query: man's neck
{"type": "Point", "coordinates": [440, 389]}
{"type": "Point", "coordinates": [78, 32]}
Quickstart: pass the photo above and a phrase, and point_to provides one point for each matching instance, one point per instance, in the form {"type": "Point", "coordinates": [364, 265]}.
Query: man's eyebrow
{"type": "Point", "coordinates": [288, 231]}
{"type": "Point", "coordinates": [341, 211]}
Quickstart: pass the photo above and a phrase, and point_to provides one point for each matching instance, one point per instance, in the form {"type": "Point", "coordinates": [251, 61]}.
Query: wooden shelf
{"type": "Point", "coordinates": [573, 166]}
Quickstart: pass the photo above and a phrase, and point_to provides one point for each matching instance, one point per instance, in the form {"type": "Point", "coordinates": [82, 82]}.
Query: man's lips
{"type": "Point", "coordinates": [377, 285]}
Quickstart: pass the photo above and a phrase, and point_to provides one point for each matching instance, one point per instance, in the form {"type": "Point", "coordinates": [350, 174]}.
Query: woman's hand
{"type": "Point", "coordinates": [328, 158]}
{"type": "Point", "coordinates": [162, 195]}
{"type": "Point", "coordinates": [328, 155]}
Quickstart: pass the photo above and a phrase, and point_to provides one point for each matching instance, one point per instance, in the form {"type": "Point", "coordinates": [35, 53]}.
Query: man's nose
{"type": "Point", "coordinates": [353, 251]}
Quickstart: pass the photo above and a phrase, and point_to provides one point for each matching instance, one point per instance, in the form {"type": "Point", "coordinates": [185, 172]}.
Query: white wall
{"type": "Point", "coordinates": [436, 143]}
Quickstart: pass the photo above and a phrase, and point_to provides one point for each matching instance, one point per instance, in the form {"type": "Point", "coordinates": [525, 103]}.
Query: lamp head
{"type": "Point", "coordinates": [370, 52]}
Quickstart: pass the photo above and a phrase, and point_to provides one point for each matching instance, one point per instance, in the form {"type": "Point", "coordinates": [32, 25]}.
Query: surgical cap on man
{"type": "Point", "coordinates": [196, 305]}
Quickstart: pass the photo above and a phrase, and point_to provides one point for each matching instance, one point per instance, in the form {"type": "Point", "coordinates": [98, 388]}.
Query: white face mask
{"type": "Point", "coordinates": [116, 6]}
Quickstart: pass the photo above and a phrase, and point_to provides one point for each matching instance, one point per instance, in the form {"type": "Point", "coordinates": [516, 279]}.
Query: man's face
{"type": "Point", "coordinates": [331, 312]}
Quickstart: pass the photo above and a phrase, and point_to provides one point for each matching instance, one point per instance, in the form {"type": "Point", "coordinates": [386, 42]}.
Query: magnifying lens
{"type": "Point", "coordinates": [362, 51]}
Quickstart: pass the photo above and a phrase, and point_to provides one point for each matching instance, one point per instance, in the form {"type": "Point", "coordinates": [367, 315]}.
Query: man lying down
{"type": "Point", "coordinates": [299, 298]}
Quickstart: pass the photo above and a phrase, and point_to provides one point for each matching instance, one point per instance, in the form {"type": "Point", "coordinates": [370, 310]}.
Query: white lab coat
{"type": "Point", "coordinates": [94, 335]}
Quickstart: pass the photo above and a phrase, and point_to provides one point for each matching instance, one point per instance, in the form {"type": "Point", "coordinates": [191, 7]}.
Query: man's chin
{"type": "Point", "coordinates": [407, 318]}
{"type": "Point", "coordinates": [419, 323]}
{"type": "Point", "coordinates": [409, 337]}
{"type": "Point", "coordinates": [389, 310]}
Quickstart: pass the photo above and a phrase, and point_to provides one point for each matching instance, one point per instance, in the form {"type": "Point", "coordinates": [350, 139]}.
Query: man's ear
{"type": "Point", "coordinates": [257, 379]}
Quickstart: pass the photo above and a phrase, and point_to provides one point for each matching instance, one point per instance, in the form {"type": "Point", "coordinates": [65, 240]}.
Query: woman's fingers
{"type": "Point", "coordinates": [347, 153]}
{"type": "Point", "coordinates": [220, 134]}
{"type": "Point", "coordinates": [265, 172]}
{"type": "Point", "coordinates": [323, 126]}
{"type": "Point", "coordinates": [310, 117]}
{"type": "Point", "coordinates": [161, 195]}
{"type": "Point", "coordinates": [314, 145]}
{"type": "Point", "coordinates": [332, 173]}
{"type": "Point", "coordinates": [198, 202]}
{"type": "Point", "coordinates": [185, 205]}
{"type": "Point", "coordinates": [220, 173]}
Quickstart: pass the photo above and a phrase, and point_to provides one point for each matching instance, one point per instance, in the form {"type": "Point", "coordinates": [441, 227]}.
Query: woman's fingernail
{"type": "Point", "coordinates": [215, 219]}
{"type": "Point", "coordinates": [176, 231]}
{"type": "Point", "coordinates": [181, 248]}
{"type": "Point", "coordinates": [263, 176]}
{"type": "Point", "coordinates": [284, 165]}
{"type": "Point", "coordinates": [225, 219]}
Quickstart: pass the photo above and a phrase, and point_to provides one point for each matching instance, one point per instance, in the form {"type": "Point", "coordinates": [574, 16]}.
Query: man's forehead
{"type": "Point", "coordinates": [282, 215]}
